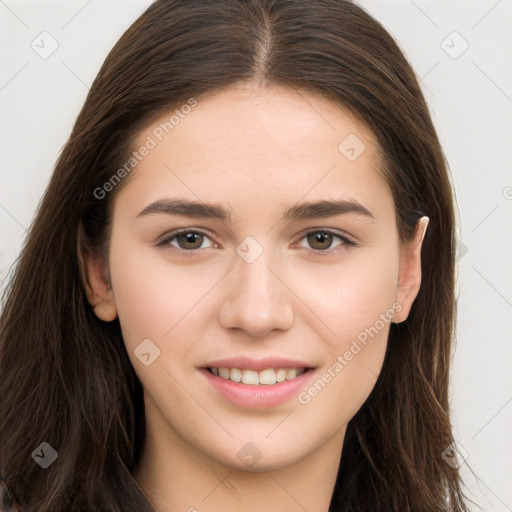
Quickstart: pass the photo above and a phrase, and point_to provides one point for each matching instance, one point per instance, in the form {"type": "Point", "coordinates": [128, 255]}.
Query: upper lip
{"type": "Point", "coordinates": [249, 363]}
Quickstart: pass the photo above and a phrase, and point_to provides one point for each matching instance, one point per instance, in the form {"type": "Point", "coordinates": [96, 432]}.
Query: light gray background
{"type": "Point", "coordinates": [470, 96]}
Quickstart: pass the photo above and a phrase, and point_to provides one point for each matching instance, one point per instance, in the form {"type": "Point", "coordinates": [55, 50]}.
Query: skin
{"type": "Point", "coordinates": [256, 151]}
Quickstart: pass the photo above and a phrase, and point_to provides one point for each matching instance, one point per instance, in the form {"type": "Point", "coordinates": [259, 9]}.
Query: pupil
{"type": "Point", "coordinates": [191, 238]}
{"type": "Point", "coordinates": [322, 238]}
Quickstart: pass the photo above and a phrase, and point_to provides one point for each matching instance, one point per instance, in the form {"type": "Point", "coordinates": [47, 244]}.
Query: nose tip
{"type": "Point", "coordinates": [257, 300]}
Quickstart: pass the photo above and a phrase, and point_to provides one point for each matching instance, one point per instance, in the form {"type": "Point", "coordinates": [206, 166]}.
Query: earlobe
{"type": "Point", "coordinates": [99, 291]}
{"type": "Point", "coordinates": [105, 311]}
{"type": "Point", "coordinates": [409, 276]}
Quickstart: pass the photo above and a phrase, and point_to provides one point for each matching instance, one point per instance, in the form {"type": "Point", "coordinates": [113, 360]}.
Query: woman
{"type": "Point", "coordinates": [297, 358]}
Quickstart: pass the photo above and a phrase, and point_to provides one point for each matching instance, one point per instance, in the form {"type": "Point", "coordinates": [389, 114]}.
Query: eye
{"type": "Point", "coordinates": [186, 239]}
{"type": "Point", "coordinates": [321, 241]}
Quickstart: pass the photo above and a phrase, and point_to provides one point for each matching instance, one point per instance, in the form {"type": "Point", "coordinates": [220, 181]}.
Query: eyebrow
{"type": "Point", "coordinates": [308, 210]}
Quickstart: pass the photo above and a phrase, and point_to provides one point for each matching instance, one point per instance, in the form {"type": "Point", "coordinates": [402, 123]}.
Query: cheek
{"type": "Point", "coordinates": [350, 296]}
{"type": "Point", "coordinates": [355, 305]}
{"type": "Point", "coordinates": [160, 301]}
{"type": "Point", "coordinates": [152, 295]}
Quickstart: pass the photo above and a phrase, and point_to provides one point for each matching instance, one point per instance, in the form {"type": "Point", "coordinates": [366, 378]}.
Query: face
{"type": "Point", "coordinates": [264, 285]}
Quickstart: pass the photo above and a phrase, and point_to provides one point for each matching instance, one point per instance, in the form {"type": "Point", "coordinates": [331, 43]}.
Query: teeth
{"type": "Point", "coordinates": [268, 377]}
{"type": "Point", "coordinates": [280, 375]}
{"type": "Point", "coordinates": [252, 377]}
{"type": "Point", "coordinates": [224, 373]}
{"type": "Point", "coordinates": [235, 374]}
{"type": "Point", "coordinates": [291, 374]}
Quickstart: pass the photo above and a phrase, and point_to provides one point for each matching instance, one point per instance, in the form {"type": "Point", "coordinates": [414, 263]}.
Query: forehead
{"type": "Point", "coordinates": [255, 123]}
{"type": "Point", "coordinates": [259, 145]}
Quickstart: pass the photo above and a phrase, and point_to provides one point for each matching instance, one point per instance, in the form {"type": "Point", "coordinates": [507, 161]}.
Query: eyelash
{"type": "Point", "coordinates": [164, 241]}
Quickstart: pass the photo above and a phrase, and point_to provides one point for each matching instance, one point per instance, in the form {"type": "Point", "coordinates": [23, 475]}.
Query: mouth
{"type": "Point", "coordinates": [257, 383]}
{"type": "Point", "coordinates": [265, 377]}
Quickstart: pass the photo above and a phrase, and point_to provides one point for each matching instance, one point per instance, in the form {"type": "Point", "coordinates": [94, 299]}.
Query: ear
{"type": "Point", "coordinates": [409, 274]}
{"type": "Point", "coordinates": [99, 291]}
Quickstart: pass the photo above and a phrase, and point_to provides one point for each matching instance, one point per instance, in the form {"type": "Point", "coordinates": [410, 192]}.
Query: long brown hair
{"type": "Point", "coordinates": [66, 378]}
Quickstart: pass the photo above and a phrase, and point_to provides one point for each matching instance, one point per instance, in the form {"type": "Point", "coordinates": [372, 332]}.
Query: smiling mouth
{"type": "Point", "coordinates": [269, 376]}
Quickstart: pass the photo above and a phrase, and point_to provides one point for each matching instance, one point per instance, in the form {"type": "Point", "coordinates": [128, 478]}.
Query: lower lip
{"type": "Point", "coordinates": [261, 396]}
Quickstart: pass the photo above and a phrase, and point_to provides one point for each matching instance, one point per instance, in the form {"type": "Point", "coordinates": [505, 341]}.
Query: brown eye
{"type": "Point", "coordinates": [189, 240]}
{"type": "Point", "coordinates": [186, 240]}
{"type": "Point", "coordinates": [320, 240]}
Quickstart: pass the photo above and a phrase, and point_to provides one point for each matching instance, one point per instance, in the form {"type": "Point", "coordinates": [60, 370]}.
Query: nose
{"type": "Point", "coordinates": [258, 300]}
